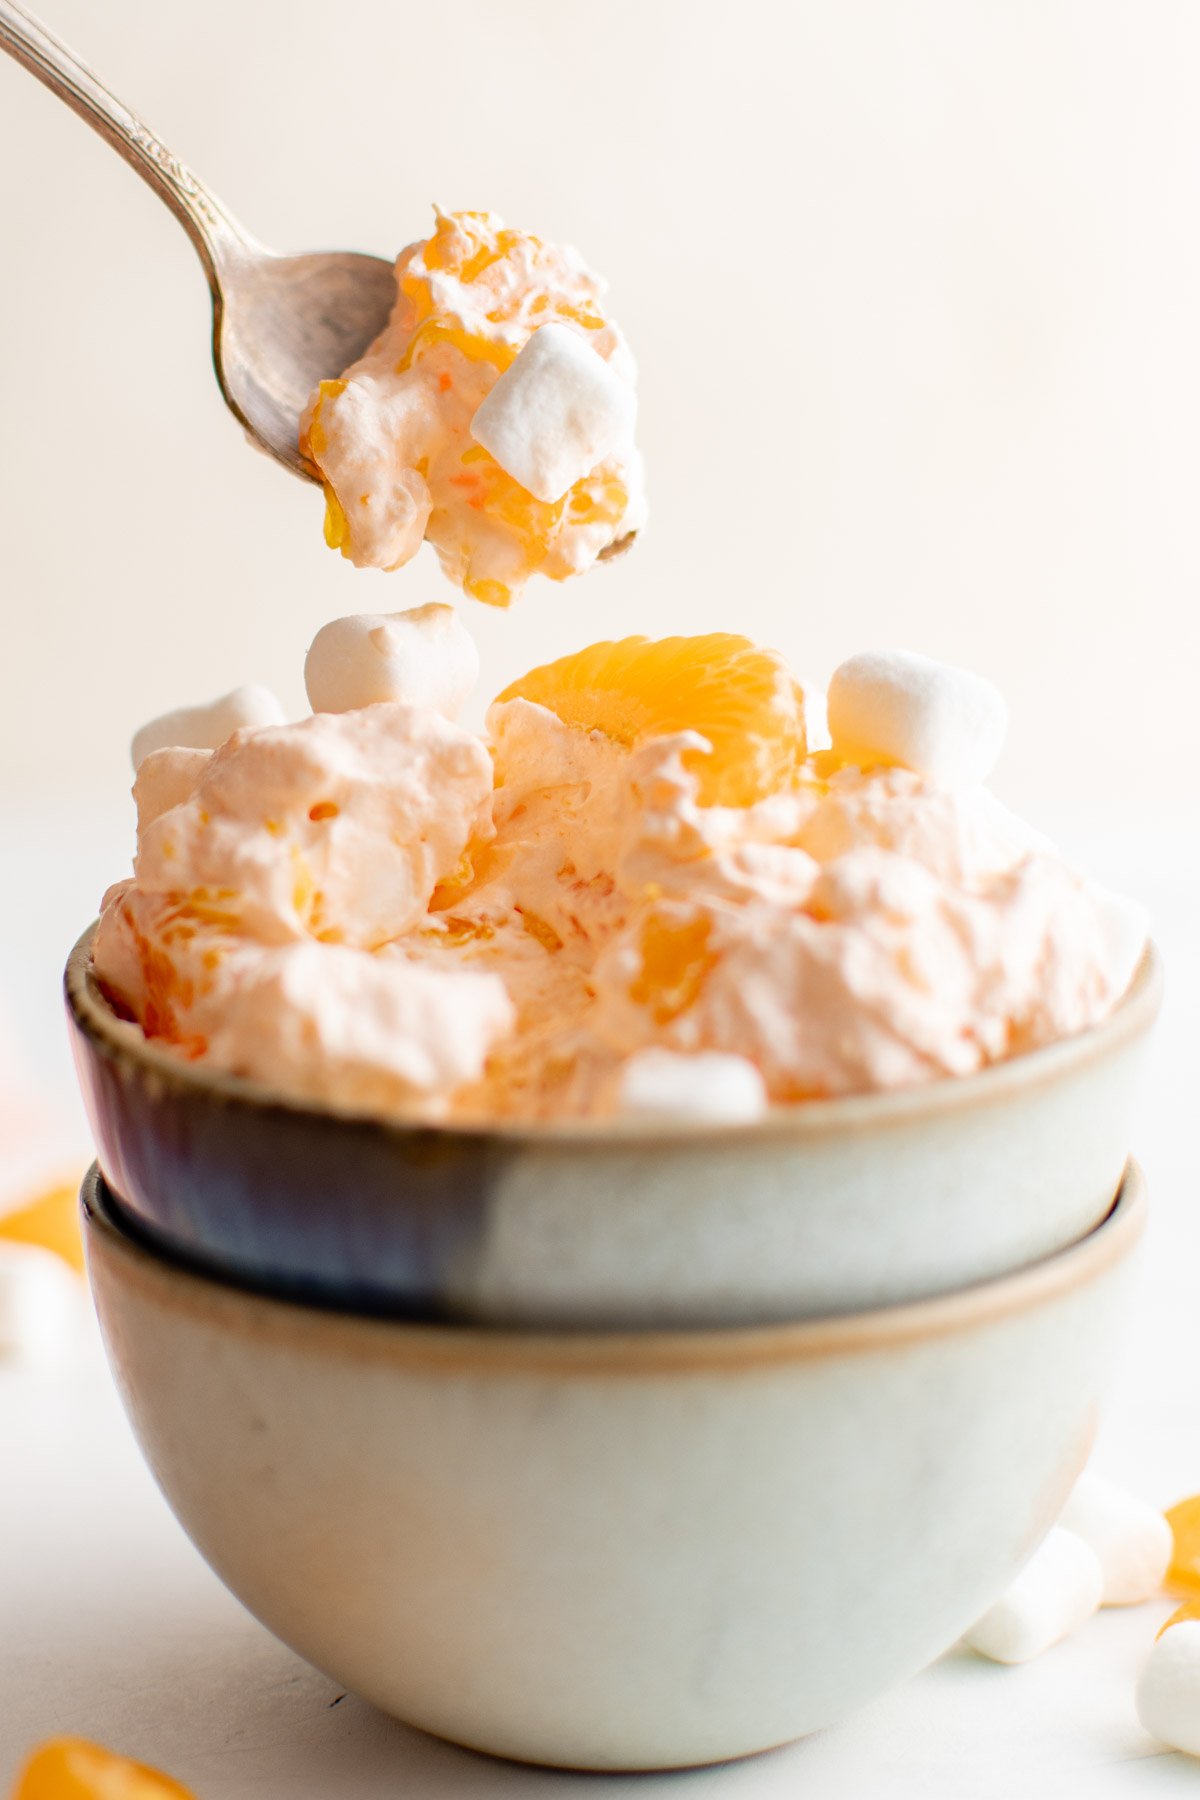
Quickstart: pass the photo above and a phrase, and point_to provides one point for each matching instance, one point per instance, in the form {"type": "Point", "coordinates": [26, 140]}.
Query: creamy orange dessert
{"type": "Point", "coordinates": [643, 892]}
{"type": "Point", "coordinates": [494, 416]}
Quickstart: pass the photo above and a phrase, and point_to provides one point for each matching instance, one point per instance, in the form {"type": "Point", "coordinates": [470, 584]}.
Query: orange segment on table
{"type": "Point", "coordinates": [51, 1221]}
{"type": "Point", "coordinates": [1183, 1571]}
{"type": "Point", "coordinates": [72, 1769]}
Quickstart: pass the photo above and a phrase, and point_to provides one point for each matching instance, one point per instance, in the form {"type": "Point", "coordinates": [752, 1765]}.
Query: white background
{"type": "Point", "coordinates": [914, 288]}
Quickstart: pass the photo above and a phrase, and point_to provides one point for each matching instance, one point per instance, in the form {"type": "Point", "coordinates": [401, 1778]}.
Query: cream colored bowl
{"type": "Point", "coordinates": [616, 1551]}
{"type": "Point", "coordinates": [823, 1207]}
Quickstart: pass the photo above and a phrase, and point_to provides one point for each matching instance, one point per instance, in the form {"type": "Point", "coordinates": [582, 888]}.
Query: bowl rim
{"type": "Point", "coordinates": [454, 1348]}
{"type": "Point", "coordinates": [122, 1041]}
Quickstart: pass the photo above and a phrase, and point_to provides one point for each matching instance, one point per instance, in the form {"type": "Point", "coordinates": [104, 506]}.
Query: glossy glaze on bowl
{"type": "Point", "coordinates": [823, 1207]}
{"type": "Point", "coordinates": [617, 1550]}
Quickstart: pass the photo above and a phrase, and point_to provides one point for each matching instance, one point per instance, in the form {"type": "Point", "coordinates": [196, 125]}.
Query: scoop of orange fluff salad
{"type": "Point", "coordinates": [493, 415]}
{"type": "Point", "coordinates": [644, 893]}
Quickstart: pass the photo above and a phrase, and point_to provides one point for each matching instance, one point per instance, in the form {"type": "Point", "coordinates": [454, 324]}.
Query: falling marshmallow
{"type": "Point", "coordinates": [42, 1305]}
{"type": "Point", "coordinates": [425, 657]}
{"type": "Point", "coordinates": [207, 727]}
{"type": "Point", "coordinates": [1130, 1539]}
{"type": "Point", "coordinates": [709, 1088]}
{"type": "Point", "coordinates": [1168, 1691]}
{"type": "Point", "coordinates": [1059, 1587]}
{"type": "Point", "coordinates": [893, 706]}
{"type": "Point", "coordinates": [556, 412]}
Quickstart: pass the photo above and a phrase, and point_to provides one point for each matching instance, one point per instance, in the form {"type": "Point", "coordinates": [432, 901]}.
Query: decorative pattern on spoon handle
{"type": "Point", "coordinates": [217, 237]}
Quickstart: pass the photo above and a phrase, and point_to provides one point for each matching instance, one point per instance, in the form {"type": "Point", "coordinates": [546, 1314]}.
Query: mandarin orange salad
{"type": "Point", "coordinates": [494, 416]}
{"type": "Point", "coordinates": [644, 893]}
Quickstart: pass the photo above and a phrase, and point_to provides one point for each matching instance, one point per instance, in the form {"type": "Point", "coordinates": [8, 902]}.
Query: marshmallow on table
{"type": "Point", "coordinates": [894, 706]}
{"type": "Point", "coordinates": [709, 1088]}
{"type": "Point", "coordinates": [207, 727]}
{"type": "Point", "coordinates": [424, 657]}
{"type": "Point", "coordinates": [41, 1304]}
{"type": "Point", "coordinates": [1059, 1587]}
{"type": "Point", "coordinates": [557, 411]}
{"type": "Point", "coordinates": [1131, 1539]}
{"type": "Point", "coordinates": [1168, 1691]}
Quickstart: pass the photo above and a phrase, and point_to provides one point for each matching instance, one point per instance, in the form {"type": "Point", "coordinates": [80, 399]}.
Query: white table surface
{"type": "Point", "coordinates": [112, 1627]}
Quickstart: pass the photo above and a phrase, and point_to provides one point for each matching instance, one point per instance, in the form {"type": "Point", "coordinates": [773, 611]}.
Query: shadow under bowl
{"type": "Point", "coordinates": [616, 1550]}
{"type": "Point", "coordinates": [822, 1207]}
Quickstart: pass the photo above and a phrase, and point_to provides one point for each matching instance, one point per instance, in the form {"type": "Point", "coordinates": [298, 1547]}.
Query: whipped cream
{"type": "Point", "coordinates": [495, 325]}
{"type": "Point", "coordinates": [270, 879]}
{"type": "Point", "coordinates": [373, 906]}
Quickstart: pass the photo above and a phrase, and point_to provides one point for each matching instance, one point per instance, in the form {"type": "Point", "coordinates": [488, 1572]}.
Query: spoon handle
{"type": "Point", "coordinates": [217, 237]}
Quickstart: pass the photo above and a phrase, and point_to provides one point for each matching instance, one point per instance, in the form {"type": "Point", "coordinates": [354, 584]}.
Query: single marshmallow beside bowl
{"type": "Point", "coordinates": [1131, 1539]}
{"type": "Point", "coordinates": [423, 657]}
{"type": "Point", "coordinates": [707, 1088]}
{"type": "Point", "coordinates": [1059, 1587]}
{"type": "Point", "coordinates": [208, 727]}
{"type": "Point", "coordinates": [893, 706]}
{"type": "Point", "coordinates": [41, 1305]}
{"type": "Point", "coordinates": [556, 412]}
{"type": "Point", "coordinates": [1168, 1691]}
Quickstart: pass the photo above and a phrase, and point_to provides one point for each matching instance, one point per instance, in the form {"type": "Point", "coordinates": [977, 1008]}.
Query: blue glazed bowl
{"type": "Point", "coordinates": [825, 1207]}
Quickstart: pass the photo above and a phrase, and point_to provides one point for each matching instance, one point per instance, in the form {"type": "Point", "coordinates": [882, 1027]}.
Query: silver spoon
{"type": "Point", "coordinates": [280, 323]}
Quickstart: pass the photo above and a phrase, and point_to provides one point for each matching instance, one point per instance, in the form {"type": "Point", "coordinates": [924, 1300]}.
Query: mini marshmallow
{"type": "Point", "coordinates": [1131, 1540]}
{"type": "Point", "coordinates": [424, 657]}
{"type": "Point", "coordinates": [893, 706]}
{"type": "Point", "coordinates": [207, 727]}
{"type": "Point", "coordinates": [709, 1088]}
{"type": "Point", "coordinates": [1167, 1696]}
{"type": "Point", "coordinates": [556, 412]}
{"type": "Point", "coordinates": [1059, 1587]}
{"type": "Point", "coordinates": [41, 1305]}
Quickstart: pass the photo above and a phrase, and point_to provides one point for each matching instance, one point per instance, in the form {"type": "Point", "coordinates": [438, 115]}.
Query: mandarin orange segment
{"type": "Point", "coordinates": [1183, 1570]}
{"type": "Point", "coordinates": [1189, 1610]}
{"type": "Point", "coordinates": [676, 958]}
{"type": "Point", "coordinates": [337, 526]}
{"type": "Point", "coordinates": [52, 1222]}
{"type": "Point", "coordinates": [743, 699]}
{"type": "Point", "coordinates": [72, 1769]}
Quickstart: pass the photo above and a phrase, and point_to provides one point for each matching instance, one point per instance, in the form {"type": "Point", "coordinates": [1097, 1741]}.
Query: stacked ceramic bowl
{"type": "Point", "coordinates": [617, 1448]}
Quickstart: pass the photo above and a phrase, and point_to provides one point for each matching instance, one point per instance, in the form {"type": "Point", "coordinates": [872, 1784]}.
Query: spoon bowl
{"type": "Point", "coordinates": [281, 324]}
